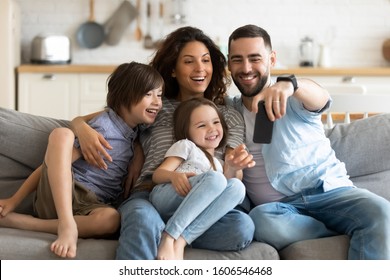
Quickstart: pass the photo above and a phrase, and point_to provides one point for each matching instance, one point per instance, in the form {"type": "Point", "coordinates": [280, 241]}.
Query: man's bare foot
{"type": "Point", "coordinates": [65, 245]}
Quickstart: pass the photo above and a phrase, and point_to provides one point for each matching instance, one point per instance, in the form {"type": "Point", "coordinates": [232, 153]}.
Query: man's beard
{"type": "Point", "coordinates": [250, 93]}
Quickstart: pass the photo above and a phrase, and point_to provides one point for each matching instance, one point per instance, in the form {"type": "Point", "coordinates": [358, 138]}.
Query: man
{"type": "Point", "coordinates": [300, 189]}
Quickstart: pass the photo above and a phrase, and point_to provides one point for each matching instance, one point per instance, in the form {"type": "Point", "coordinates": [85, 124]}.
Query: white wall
{"type": "Point", "coordinates": [355, 29]}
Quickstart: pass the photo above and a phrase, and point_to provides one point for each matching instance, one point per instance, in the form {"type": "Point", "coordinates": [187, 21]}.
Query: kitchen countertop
{"type": "Point", "coordinates": [299, 71]}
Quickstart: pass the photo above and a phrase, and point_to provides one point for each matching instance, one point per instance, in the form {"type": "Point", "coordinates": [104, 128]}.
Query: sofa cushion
{"type": "Point", "coordinates": [327, 248]}
{"type": "Point", "coordinates": [29, 245]}
{"type": "Point", "coordinates": [255, 251]}
{"type": "Point", "coordinates": [22, 152]}
{"type": "Point", "coordinates": [19, 244]}
{"type": "Point", "coordinates": [362, 146]}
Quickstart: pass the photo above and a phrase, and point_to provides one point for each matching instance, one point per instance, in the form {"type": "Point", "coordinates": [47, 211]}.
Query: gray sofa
{"type": "Point", "coordinates": [362, 145]}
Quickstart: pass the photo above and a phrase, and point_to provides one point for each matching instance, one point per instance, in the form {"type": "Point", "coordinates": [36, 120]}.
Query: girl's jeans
{"type": "Point", "coordinates": [210, 198]}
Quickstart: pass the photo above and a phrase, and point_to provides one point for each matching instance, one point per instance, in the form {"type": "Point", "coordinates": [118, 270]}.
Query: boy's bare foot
{"type": "Point", "coordinates": [65, 245]}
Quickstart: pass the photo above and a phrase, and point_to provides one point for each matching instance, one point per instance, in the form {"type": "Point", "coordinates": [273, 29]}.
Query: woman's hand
{"type": "Point", "coordinates": [92, 144]}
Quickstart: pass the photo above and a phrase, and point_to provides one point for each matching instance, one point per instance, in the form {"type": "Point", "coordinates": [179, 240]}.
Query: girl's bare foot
{"type": "Point", "coordinates": [166, 248]}
{"type": "Point", "coordinates": [179, 246]}
{"type": "Point", "coordinates": [65, 245]}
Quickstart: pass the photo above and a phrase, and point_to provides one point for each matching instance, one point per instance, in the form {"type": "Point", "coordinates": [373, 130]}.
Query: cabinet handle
{"type": "Point", "coordinates": [50, 77]}
{"type": "Point", "coordinates": [349, 79]}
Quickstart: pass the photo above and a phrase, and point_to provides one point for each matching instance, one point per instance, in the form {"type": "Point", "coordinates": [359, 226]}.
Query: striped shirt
{"type": "Point", "coordinates": [158, 138]}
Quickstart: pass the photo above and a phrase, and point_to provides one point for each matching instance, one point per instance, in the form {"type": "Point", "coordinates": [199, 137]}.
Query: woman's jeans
{"type": "Point", "coordinates": [141, 228]}
{"type": "Point", "coordinates": [362, 215]}
{"type": "Point", "coordinates": [210, 198]}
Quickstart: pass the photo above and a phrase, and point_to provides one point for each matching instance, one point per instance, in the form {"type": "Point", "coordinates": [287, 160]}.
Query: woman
{"type": "Point", "coordinates": [191, 65]}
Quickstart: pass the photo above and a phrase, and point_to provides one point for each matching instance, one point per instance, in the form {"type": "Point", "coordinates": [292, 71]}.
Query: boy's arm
{"type": "Point", "coordinates": [30, 185]}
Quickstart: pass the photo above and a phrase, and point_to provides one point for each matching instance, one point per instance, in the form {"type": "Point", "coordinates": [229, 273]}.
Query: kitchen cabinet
{"type": "Point", "coordinates": [353, 84]}
{"type": "Point", "coordinates": [345, 80]}
{"type": "Point", "coordinates": [92, 92]}
{"type": "Point", "coordinates": [52, 95]}
{"type": "Point", "coordinates": [65, 91]}
{"type": "Point", "coordinates": [61, 95]}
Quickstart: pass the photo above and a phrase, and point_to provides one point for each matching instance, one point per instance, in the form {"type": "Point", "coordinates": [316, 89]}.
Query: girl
{"type": "Point", "coordinates": [192, 191]}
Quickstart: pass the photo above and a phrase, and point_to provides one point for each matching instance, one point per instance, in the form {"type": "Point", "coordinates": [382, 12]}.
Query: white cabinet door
{"type": "Point", "coordinates": [93, 92]}
{"type": "Point", "coordinates": [51, 95]}
{"type": "Point", "coordinates": [354, 84]}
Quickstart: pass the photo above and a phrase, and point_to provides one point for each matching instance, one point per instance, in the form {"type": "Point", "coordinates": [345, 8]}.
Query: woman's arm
{"type": "Point", "coordinates": [236, 126]}
{"type": "Point", "coordinates": [134, 168]}
{"type": "Point", "coordinates": [92, 144]}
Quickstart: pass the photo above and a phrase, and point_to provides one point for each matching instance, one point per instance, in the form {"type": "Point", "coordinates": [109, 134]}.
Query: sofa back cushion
{"type": "Point", "coordinates": [22, 152]}
{"type": "Point", "coordinates": [363, 146]}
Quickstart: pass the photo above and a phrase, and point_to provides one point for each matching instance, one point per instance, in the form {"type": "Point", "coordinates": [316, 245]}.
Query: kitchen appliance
{"type": "Point", "coordinates": [148, 40]}
{"type": "Point", "coordinates": [306, 50]}
{"type": "Point", "coordinates": [9, 51]}
{"type": "Point", "coordinates": [51, 49]}
{"type": "Point", "coordinates": [386, 50]}
{"type": "Point", "coordinates": [324, 57]}
{"type": "Point", "coordinates": [91, 34]}
{"type": "Point", "coordinates": [116, 25]}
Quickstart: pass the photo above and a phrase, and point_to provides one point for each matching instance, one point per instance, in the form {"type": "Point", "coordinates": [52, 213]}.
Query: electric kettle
{"type": "Point", "coordinates": [306, 50]}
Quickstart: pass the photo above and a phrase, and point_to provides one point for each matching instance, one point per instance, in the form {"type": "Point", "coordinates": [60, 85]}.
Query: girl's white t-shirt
{"type": "Point", "coordinates": [194, 158]}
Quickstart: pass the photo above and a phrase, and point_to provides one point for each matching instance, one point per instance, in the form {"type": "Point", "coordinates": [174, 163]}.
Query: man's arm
{"type": "Point", "coordinates": [312, 95]}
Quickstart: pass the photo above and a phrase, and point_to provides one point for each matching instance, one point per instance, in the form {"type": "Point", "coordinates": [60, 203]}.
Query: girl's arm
{"type": "Point", "coordinates": [236, 160]}
{"type": "Point", "coordinates": [30, 185]}
{"type": "Point", "coordinates": [166, 173]}
{"type": "Point", "coordinates": [92, 144]}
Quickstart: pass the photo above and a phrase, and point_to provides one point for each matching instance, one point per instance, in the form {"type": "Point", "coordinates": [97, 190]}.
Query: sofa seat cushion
{"type": "Point", "coordinates": [19, 244]}
{"type": "Point", "coordinates": [255, 251]}
{"type": "Point", "coordinates": [327, 248]}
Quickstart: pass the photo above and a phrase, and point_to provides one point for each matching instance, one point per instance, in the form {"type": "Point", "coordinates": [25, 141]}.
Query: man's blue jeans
{"type": "Point", "coordinates": [141, 228]}
{"type": "Point", "coordinates": [362, 215]}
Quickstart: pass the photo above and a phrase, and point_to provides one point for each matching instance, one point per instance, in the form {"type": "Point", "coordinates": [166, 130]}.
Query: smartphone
{"type": "Point", "coordinates": [263, 126]}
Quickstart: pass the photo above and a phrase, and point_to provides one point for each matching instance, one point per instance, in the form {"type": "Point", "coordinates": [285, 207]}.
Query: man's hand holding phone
{"type": "Point", "coordinates": [263, 126]}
